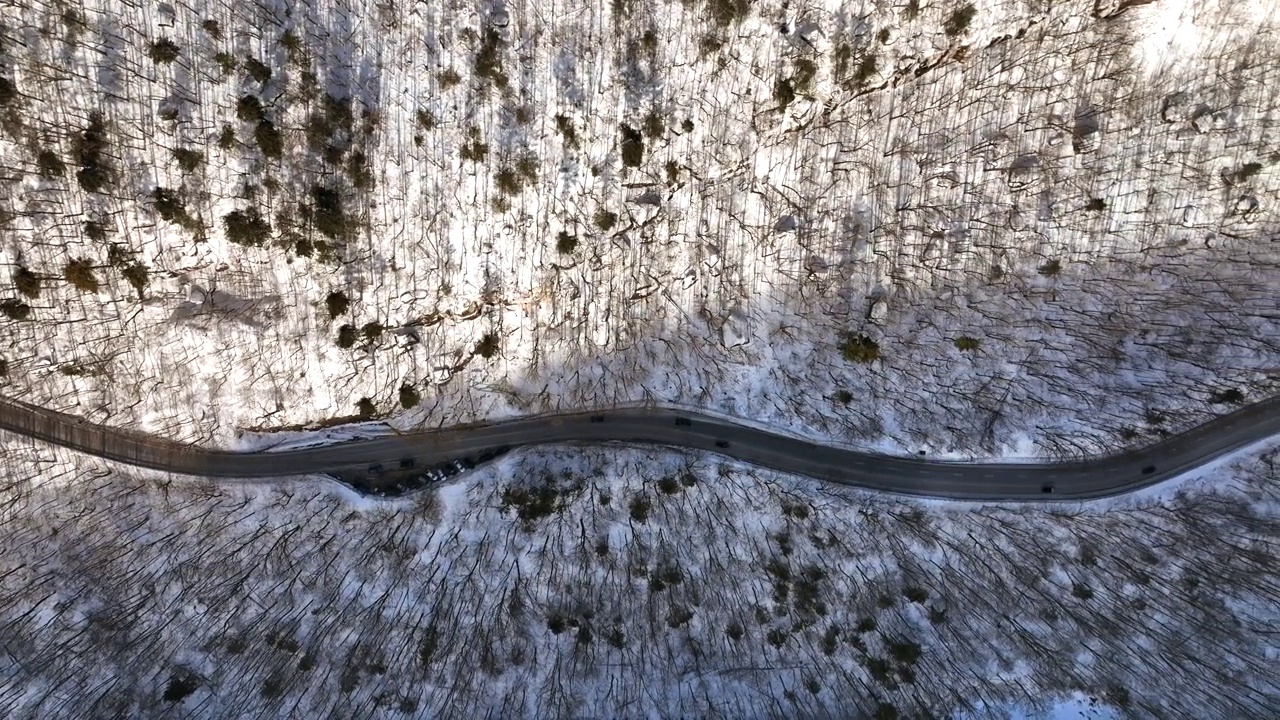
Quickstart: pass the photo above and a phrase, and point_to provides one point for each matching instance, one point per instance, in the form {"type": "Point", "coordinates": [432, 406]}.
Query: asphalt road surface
{"type": "Point", "coordinates": [401, 463]}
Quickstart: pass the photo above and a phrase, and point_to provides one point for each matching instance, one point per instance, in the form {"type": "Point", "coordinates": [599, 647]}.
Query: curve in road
{"type": "Point", "coordinates": [402, 463]}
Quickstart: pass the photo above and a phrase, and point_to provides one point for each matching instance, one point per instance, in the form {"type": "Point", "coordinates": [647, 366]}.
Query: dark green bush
{"type": "Point", "coordinates": [673, 171]}
{"type": "Point", "coordinates": [358, 171]}
{"type": "Point", "coordinates": [269, 139]}
{"type": "Point", "coordinates": [118, 255]}
{"type": "Point", "coordinates": [565, 127]}
{"type": "Point", "coordinates": [50, 165]}
{"type": "Point", "coordinates": [665, 575]}
{"type": "Point", "coordinates": [527, 167]}
{"type": "Point", "coordinates": [488, 60]}
{"type": "Point", "coordinates": [258, 71]}
{"type": "Point", "coordinates": [189, 160]}
{"type": "Point", "coordinates": [679, 617]}
{"type": "Point", "coordinates": [1232, 395]}
{"type": "Point", "coordinates": [79, 272]}
{"type": "Point", "coordinates": [475, 150]}
{"type": "Point", "coordinates": [967, 344]}
{"type": "Point", "coordinates": [15, 309]}
{"type": "Point", "coordinates": [337, 303]}
{"type": "Point", "coordinates": [346, 336]}
{"type": "Point", "coordinates": [95, 230]}
{"type": "Point", "coordinates": [632, 146]}
{"type": "Point", "coordinates": [533, 503]}
{"type": "Point", "coordinates": [640, 506]}
{"type": "Point", "coordinates": [170, 205]}
{"type": "Point", "coordinates": [246, 227]}
{"type": "Point", "coordinates": [249, 109]}
{"type": "Point", "coordinates": [320, 131]}
{"type": "Point", "coordinates": [338, 113]}
{"type": "Point", "coordinates": [605, 220]}
{"type": "Point", "coordinates": [164, 50]}
{"type": "Point", "coordinates": [372, 331]}
{"type": "Point", "coordinates": [653, 126]}
{"type": "Point", "coordinates": [508, 182]}
{"type": "Point", "coordinates": [867, 68]}
{"type": "Point", "coordinates": [616, 638]}
{"type": "Point", "coordinates": [488, 346]}
{"type": "Point", "coordinates": [728, 12]}
{"type": "Point", "coordinates": [227, 138]}
{"type": "Point", "coordinates": [366, 408]}
{"type": "Point", "coordinates": [959, 20]}
{"type": "Point", "coordinates": [293, 47]}
{"type": "Point", "coordinates": [566, 243]}
{"type": "Point", "coordinates": [327, 212]}
{"type": "Point", "coordinates": [1246, 171]}
{"type": "Point", "coordinates": [448, 78]}
{"type": "Point", "coordinates": [8, 92]}
{"type": "Point", "coordinates": [1051, 268]}
{"type": "Point", "coordinates": [136, 274]}
{"type": "Point", "coordinates": [783, 92]}
{"type": "Point", "coordinates": [226, 62]}
{"type": "Point", "coordinates": [93, 175]}
{"type": "Point", "coordinates": [806, 71]}
{"type": "Point", "coordinates": [27, 282]}
{"type": "Point", "coordinates": [859, 348]}
{"type": "Point", "coordinates": [885, 710]}
{"type": "Point", "coordinates": [409, 398]}
{"type": "Point", "coordinates": [180, 687]}
{"type": "Point", "coordinates": [556, 623]}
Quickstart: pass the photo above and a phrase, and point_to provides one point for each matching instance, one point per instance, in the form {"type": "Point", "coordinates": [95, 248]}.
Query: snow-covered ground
{"type": "Point", "coordinates": [612, 582]}
{"type": "Point", "coordinates": [1089, 206]}
{"type": "Point", "coordinates": [1053, 224]}
{"type": "Point", "coordinates": [1075, 707]}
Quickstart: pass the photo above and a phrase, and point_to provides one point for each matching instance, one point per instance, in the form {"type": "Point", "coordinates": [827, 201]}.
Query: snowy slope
{"type": "Point", "coordinates": [1053, 224]}
{"type": "Point", "coordinates": [611, 582]}
{"type": "Point", "coordinates": [1084, 204]}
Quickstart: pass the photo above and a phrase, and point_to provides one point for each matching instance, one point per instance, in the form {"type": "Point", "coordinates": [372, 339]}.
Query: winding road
{"type": "Point", "coordinates": [394, 465]}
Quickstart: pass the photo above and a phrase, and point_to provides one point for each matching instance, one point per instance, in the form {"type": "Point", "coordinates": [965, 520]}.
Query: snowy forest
{"type": "Point", "coordinates": [1007, 229]}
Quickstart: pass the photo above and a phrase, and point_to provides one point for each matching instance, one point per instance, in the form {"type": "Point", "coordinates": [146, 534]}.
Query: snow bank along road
{"type": "Point", "coordinates": [394, 465]}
